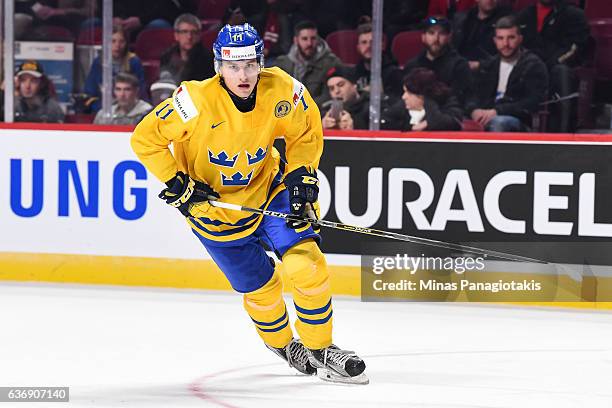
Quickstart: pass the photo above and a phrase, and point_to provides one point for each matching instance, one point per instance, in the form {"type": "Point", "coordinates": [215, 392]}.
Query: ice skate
{"type": "Point", "coordinates": [336, 365]}
{"type": "Point", "coordinates": [296, 355]}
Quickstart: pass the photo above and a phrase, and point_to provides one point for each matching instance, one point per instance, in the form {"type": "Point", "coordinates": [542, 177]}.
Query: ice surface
{"type": "Point", "coordinates": [168, 348]}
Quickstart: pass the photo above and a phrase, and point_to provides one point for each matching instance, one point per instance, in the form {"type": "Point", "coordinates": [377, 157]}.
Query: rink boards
{"type": "Point", "coordinates": [78, 206]}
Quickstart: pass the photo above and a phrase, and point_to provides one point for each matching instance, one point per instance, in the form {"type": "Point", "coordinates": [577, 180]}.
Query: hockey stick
{"type": "Point", "coordinates": [376, 233]}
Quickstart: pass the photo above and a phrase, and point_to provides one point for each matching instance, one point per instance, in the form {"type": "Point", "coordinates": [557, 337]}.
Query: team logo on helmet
{"type": "Point", "coordinates": [282, 109]}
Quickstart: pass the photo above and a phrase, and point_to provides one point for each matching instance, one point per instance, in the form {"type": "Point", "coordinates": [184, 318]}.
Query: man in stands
{"type": "Point", "coordinates": [391, 74]}
{"type": "Point", "coordinates": [35, 100]}
{"type": "Point", "coordinates": [511, 85]}
{"type": "Point", "coordinates": [558, 33]}
{"type": "Point", "coordinates": [187, 59]}
{"type": "Point", "coordinates": [342, 87]}
{"type": "Point", "coordinates": [438, 56]}
{"type": "Point", "coordinates": [473, 31]}
{"type": "Point", "coordinates": [308, 60]}
{"type": "Point", "coordinates": [127, 109]}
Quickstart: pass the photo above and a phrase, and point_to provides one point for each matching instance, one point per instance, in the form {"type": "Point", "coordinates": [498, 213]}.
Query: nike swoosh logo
{"type": "Point", "coordinates": [214, 126]}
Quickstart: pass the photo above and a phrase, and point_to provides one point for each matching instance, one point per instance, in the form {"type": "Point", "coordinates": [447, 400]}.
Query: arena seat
{"type": "Point", "coordinates": [51, 33]}
{"type": "Point", "coordinates": [596, 9]}
{"type": "Point", "coordinates": [212, 9]}
{"type": "Point", "coordinates": [344, 44]}
{"type": "Point", "coordinates": [521, 4]}
{"type": "Point", "coordinates": [469, 125]}
{"type": "Point", "coordinates": [90, 36]}
{"type": "Point", "coordinates": [151, 43]}
{"type": "Point", "coordinates": [406, 45]}
{"type": "Point", "coordinates": [208, 38]}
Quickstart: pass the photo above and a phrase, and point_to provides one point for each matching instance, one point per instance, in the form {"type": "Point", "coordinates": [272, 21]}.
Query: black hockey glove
{"type": "Point", "coordinates": [303, 188]}
{"type": "Point", "coordinates": [187, 194]}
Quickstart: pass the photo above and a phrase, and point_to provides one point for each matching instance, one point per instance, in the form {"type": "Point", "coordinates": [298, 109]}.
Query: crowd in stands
{"type": "Point", "coordinates": [494, 65]}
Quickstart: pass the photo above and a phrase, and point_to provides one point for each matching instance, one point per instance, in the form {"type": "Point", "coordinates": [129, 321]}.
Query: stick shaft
{"type": "Point", "coordinates": [377, 233]}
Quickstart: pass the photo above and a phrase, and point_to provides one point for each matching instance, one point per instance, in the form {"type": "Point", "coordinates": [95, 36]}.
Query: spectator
{"type": "Point", "coordinates": [163, 88]}
{"type": "Point", "coordinates": [335, 15]}
{"type": "Point", "coordinates": [558, 33]}
{"type": "Point", "coordinates": [123, 61]}
{"type": "Point", "coordinates": [391, 74]}
{"type": "Point", "coordinates": [402, 15]}
{"type": "Point", "coordinates": [442, 59]}
{"type": "Point", "coordinates": [29, 15]}
{"type": "Point", "coordinates": [348, 108]}
{"type": "Point", "coordinates": [308, 60]}
{"type": "Point", "coordinates": [473, 31]}
{"type": "Point", "coordinates": [187, 59]}
{"type": "Point", "coordinates": [133, 15]}
{"type": "Point", "coordinates": [429, 102]}
{"type": "Point", "coordinates": [448, 8]}
{"type": "Point", "coordinates": [35, 99]}
{"type": "Point", "coordinates": [233, 15]}
{"type": "Point", "coordinates": [127, 109]}
{"type": "Point", "coordinates": [511, 85]}
{"type": "Point", "coordinates": [275, 24]}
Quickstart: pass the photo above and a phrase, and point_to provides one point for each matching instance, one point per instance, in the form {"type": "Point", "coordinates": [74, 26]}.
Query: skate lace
{"type": "Point", "coordinates": [297, 354]}
{"type": "Point", "coordinates": [337, 356]}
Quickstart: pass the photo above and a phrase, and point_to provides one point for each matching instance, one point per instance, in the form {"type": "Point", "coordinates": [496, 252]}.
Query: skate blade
{"type": "Point", "coordinates": [328, 375]}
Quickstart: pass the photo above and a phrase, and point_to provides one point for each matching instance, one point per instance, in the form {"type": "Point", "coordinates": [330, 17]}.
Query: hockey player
{"type": "Point", "coordinates": [222, 130]}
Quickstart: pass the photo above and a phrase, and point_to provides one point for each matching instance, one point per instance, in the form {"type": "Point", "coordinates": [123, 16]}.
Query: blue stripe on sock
{"type": "Point", "coordinates": [313, 311]}
{"type": "Point", "coordinates": [279, 328]}
{"type": "Point", "coordinates": [317, 321]}
{"type": "Point", "coordinates": [272, 323]}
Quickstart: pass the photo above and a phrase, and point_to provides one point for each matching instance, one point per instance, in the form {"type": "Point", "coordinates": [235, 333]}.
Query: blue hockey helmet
{"type": "Point", "coordinates": [238, 42]}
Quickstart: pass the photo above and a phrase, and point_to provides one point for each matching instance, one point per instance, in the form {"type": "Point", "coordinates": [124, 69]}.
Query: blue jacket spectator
{"type": "Point", "coordinates": [123, 61]}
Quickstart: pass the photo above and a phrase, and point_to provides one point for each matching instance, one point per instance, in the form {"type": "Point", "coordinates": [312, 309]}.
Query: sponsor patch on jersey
{"type": "Point", "coordinates": [238, 53]}
{"type": "Point", "coordinates": [298, 92]}
{"type": "Point", "coordinates": [282, 109]}
{"type": "Point", "coordinates": [184, 105]}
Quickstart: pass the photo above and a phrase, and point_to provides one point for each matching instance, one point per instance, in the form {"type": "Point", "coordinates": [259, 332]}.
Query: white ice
{"type": "Point", "coordinates": [168, 348]}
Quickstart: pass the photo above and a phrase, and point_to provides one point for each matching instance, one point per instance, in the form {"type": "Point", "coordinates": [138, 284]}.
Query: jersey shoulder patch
{"type": "Point", "coordinates": [183, 104]}
{"type": "Point", "coordinates": [298, 92]}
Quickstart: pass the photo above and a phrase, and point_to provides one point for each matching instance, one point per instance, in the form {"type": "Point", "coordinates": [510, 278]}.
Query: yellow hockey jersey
{"type": "Point", "coordinates": [229, 150]}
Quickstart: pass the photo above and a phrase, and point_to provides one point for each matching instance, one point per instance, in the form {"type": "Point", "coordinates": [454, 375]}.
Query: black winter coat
{"type": "Point", "coordinates": [563, 38]}
{"type": "Point", "coordinates": [527, 87]}
{"type": "Point", "coordinates": [450, 68]}
{"type": "Point", "coordinates": [472, 37]}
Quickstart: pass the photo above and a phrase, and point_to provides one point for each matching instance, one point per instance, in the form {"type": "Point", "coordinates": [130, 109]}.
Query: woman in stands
{"type": "Point", "coordinates": [429, 103]}
{"type": "Point", "coordinates": [123, 61]}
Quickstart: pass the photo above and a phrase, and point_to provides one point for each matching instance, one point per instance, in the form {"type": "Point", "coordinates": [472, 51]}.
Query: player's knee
{"type": "Point", "coordinates": [306, 266]}
{"type": "Point", "coordinates": [268, 297]}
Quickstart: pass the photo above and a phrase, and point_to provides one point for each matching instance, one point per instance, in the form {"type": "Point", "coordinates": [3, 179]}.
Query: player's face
{"type": "Point", "coordinates": [364, 45]}
{"type": "Point", "coordinates": [28, 85]}
{"type": "Point", "coordinates": [240, 76]}
{"type": "Point", "coordinates": [436, 39]}
{"type": "Point", "coordinates": [125, 95]}
{"type": "Point", "coordinates": [508, 42]}
{"type": "Point", "coordinates": [187, 35]}
{"type": "Point", "coordinates": [118, 45]}
{"type": "Point", "coordinates": [307, 41]}
{"type": "Point", "coordinates": [341, 89]}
